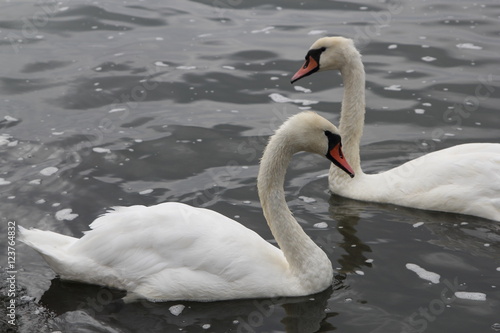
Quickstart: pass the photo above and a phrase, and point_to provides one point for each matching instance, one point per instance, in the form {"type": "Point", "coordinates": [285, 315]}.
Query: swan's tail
{"type": "Point", "coordinates": [51, 246]}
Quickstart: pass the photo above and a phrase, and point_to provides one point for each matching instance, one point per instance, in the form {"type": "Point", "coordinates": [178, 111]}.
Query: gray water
{"type": "Point", "coordinates": [108, 103]}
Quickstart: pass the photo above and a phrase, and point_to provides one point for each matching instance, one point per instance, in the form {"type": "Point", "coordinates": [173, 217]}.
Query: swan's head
{"type": "Point", "coordinates": [308, 131]}
{"type": "Point", "coordinates": [327, 53]}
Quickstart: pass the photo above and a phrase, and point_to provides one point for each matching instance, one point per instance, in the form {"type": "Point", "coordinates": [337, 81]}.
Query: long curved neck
{"type": "Point", "coordinates": [300, 251]}
{"type": "Point", "coordinates": [352, 116]}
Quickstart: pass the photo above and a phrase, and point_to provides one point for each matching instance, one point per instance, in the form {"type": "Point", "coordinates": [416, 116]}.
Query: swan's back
{"type": "Point", "coordinates": [461, 179]}
{"type": "Point", "coordinates": [170, 249]}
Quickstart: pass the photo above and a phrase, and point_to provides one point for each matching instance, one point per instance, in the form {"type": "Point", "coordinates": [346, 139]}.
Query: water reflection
{"type": "Point", "coordinates": [81, 307]}
{"type": "Point", "coordinates": [347, 221]}
{"type": "Point", "coordinates": [447, 230]}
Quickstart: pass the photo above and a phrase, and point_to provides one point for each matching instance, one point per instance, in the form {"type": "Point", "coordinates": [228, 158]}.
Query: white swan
{"type": "Point", "coordinates": [463, 179]}
{"type": "Point", "coordinates": [172, 251]}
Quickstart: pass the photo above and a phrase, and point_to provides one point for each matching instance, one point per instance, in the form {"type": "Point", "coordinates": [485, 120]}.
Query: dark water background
{"type": "Point", "coordinates": [107, 103]}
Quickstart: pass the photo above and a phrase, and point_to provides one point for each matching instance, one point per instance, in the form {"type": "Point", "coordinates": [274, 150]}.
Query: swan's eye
{"type": "Point", "coordinates": [315, 53]}
{"type": "Point", "coordinates": [328, 133]}
{"type": "Point", "coordinates": [333, 138]}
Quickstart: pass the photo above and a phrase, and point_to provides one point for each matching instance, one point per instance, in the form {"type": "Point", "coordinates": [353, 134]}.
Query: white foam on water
{"type": "Point", "coordinates": [282, 99]}
{"type": "Point", "coordinates": [101, 150]}
{"type": "Point", "coordinates": [320, 225]}
{"type": "Point", "coordinates": [316, 32]}
{"type": "Point", "coordinates": [65, 214]}
{"type": "Point", "coordinates": [266, 30]}
{"type": "Point", "coordinates": [473, 296]}
{"type": "Point", "coordinates": [176, 309]}
{"type": "Point", "coordinates": [300, 88]}
{"type": "Point", "coordinates": [49, 171]}
{"type": "Point", "coordinates": [428, 59]}
{"type": "Point", "coordinates": [469, 46]}
{"type": "Point", "coordinates": [307, 199]}
{"type": "Point", "coordinates": [394, 87]}
{"type": "Point", "coordinates": [424, 274]}
{"type": "Point", "coordinates": [117, 110]}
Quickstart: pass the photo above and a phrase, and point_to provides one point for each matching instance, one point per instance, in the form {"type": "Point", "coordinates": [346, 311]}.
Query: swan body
{"type": "Point", "coordinates": [173, 251]}
{"type": "Point", "coordinates": [463, 179]}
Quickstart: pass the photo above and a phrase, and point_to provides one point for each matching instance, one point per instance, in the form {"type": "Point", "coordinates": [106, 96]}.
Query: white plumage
{"type": "Point", "coordinates": [463, 179]}
{"type": "Point", "coordinates": [168, 249]}
{"type": "Point", "coordinates": [172, 251]}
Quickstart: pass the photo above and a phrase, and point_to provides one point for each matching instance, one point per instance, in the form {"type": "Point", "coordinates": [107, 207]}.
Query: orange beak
{"type": "Point", "coordinates": [309, 67]}
{"type": "Point", "coordinates": [337, 157]}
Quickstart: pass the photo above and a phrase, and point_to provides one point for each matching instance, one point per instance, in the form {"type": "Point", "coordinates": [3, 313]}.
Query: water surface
{"type": "Point", "coordinates": [121, 103]}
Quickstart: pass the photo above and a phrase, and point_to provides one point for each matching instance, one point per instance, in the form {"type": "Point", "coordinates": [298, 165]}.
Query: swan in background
{"type": "Point", "coordinates": [172, 251]}
{"type": "Point", "coordinates": [463, 179]}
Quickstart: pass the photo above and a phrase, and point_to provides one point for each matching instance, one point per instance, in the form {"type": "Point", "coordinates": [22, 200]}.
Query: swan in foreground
{"type": "Point", "coordinates": [463, 179]}
{"type": "Point", "coordinates": [172, 251]}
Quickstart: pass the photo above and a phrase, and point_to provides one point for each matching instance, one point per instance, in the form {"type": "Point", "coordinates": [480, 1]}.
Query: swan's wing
{"type": "Point", "coordinates": [463, 179]}
{"type": "Point", "coordinates": [173, 243]}
{"type": "Point", "coordinates": [468, 166]}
